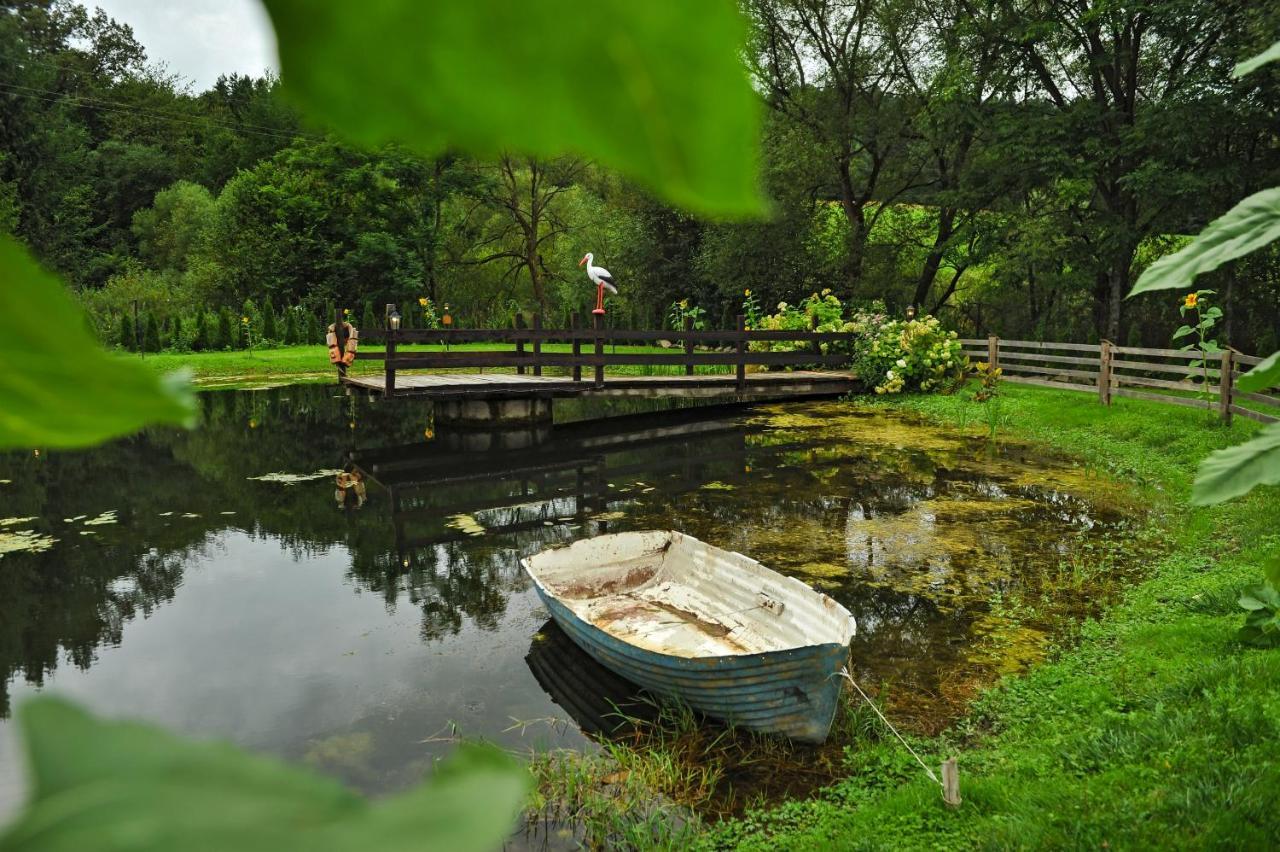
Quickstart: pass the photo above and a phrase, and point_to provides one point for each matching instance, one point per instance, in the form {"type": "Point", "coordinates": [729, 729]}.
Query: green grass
{"type": "Point", "coordinates": [1154, 728]}
{"type": "Point", "coordinates": [239, 368]}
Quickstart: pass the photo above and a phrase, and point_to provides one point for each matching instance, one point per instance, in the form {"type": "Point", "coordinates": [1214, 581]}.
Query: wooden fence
{"type": "Point", "coordinates": [689, 348]}
{"type": "Point", "coordinates": [1161, 375]}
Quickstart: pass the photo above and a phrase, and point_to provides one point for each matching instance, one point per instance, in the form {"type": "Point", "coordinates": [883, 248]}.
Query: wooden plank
{"type": "Point", "coordinates": [1051, 371]}
{"type": "Point", "coordinates": [1161, 353]}
{"type": "Point", "coordinates": [1057, 359]}
{"type": "Point", "coordinates": [553, 335]}
{"type": "Point", "coordinates": [1251, 360]}
{"type": "Point", "coordinates": [1151, 366]}
{"type": "Point", "coordinates": [1254, 415]}
{"type": "Point", "coordinates": [1120, 380]}
{"type": "Point", "coordinates": [1046, 383]}
{"type": "Point", "coordinates": [1033, 344]}
{"type": "Point", "coordinates": [1265, 399]}
{"type": "Point", "coordinates": [457, 360]}
{"type": "Point", "coordinates": [1163, 397]}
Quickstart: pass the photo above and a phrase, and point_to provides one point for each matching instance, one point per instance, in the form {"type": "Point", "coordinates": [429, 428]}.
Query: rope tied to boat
{"type": "Point", "coordinates": [847, 676]}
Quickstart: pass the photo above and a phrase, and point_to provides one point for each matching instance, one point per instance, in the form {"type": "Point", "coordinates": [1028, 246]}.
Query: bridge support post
{"type": "Point", "coordinates": [518, 322]}
{"type": "Point", "coordinates": [575, 324]}
{"type": "Point", "coordinates": [741, 346]}
{"type": "Point", "coordinates": [599, 329]}
{"type": "Point", "coordinates": [688, 346]}
{"type": "Point", "coordinates": [537, 344]}
{"type": "Point", "coordinates": [390, 386]}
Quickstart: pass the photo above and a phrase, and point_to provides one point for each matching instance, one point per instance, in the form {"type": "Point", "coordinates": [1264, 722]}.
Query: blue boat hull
{"type": "Point", "coordinates": [793, 692]}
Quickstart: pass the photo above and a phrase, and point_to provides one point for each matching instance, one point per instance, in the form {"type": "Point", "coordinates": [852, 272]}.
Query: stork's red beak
{"type": "Point", "coordinates": [584, 260]}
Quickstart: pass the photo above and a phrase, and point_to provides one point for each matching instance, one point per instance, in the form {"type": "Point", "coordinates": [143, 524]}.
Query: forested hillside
{"type": "Point", "coordinates": [1010, 166]}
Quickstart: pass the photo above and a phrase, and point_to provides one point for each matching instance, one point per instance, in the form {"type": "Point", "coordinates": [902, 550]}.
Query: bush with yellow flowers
{"type": "Point", "coordinates": [897, 355]}
{"type": "Point", "coordinates": [817, 312]}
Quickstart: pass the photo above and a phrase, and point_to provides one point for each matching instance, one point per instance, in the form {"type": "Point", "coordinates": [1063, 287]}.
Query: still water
{"type": "Point", "coordinates": [217, 583]}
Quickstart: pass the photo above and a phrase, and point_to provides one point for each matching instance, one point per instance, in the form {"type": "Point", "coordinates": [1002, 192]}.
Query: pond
{"type": "Point", "coordinates": [215, 582]}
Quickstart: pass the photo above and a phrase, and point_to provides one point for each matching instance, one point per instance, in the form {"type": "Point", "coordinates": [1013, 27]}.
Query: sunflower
{"type": "Point", "coordinates": [1192, 299]}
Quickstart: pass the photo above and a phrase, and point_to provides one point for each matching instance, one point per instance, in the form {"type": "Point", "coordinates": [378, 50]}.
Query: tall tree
{"type": "Point", "coordinates": [829, 67]}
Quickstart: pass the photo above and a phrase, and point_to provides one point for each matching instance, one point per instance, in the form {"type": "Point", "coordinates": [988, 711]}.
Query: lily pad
{"type": "Point", "coordinates": [293, 478]}
{"type": "Point", "coordinates": [29, 541]}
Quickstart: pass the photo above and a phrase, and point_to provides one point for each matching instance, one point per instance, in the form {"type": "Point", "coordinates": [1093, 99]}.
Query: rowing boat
{"type": "Point", "coordinates": [708, 627]}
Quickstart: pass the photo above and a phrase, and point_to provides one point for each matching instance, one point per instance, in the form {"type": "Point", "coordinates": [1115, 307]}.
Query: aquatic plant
{"type": "Point", "coordinates": [988, 394]}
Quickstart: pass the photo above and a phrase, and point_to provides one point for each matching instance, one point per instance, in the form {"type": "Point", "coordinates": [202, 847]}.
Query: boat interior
{"type": "Point", "coordinates": [673, 594]}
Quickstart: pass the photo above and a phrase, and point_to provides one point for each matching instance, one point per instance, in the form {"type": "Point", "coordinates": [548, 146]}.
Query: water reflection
{"type": "Point", "coordinates": [210, 579]}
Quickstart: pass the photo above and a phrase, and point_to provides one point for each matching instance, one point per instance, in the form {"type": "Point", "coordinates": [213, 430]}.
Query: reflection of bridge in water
{"type": "Point", "coordinates": [524, 480]}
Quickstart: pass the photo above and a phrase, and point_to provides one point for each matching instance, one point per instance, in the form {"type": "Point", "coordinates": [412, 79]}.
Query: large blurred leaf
{"type": "Point", "coordinates": [656, 90]}
{"type": "Point", "coordinates": [111, 786]}
{"type": "Point", "coordinates": [1271, 54]}
{"type": "Point", "coordinates": [58, 387]}
{"type": "Point", "coordinates": [1262, 376]}
{"type": "Point", "coordinates": [1234, 471]}
{"type": "Point", "coordinates": [1250, 225]}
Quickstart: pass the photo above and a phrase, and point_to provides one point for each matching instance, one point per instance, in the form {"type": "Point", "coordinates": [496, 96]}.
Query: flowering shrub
{"type": "Point", "coordinates": [897, 355]}
{"type": "Point", "coordinates": [824, 306]}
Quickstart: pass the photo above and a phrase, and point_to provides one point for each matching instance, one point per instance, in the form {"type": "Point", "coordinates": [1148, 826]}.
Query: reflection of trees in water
{"type": "Point", "coordinates": [64, 604]}
{"type": "Point", "coordinates": [449, 582]}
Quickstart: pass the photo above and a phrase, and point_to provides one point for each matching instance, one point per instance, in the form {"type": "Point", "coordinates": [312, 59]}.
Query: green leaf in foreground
{"type": "Point", "coordinates": [655, 90]}
{"type": "Point", "coordinates": [1262, 376]}
{"type": "Point", "coordinates": [1250, 225]}
{"type": "Point", "coordinates": [1234, 471]}
{"type": "Point", "coordinates": [109, 786]}
{"type": "Point", "coordinates": [59, 387]}
{"type": "Point", "coordinates": [1271, 54]}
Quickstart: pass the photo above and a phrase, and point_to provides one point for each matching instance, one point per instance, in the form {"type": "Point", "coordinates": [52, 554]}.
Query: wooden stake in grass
{"type": "Point", "coordinates": [950, 782]}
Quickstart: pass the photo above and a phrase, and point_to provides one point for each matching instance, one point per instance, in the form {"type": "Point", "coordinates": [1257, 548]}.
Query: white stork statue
{"type": "Point", "coordinates": [601, 277]}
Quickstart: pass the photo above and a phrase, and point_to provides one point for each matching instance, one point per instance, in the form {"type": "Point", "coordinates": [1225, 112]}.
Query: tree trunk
{"type": "Point", "coordinates": [933, 261]}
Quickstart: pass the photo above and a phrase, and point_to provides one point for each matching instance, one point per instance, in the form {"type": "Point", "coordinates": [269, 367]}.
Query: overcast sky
{"type": "Point", "coordinates": [200, 39]}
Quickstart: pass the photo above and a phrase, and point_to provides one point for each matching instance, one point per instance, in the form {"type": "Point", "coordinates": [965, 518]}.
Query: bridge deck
{"type": "Point", "coordinates": [505, 385]}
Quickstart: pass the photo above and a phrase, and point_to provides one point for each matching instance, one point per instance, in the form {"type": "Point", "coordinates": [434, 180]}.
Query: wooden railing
{"type": "Point", "coordinates": [1132, 372]}
{"type": "Point", "coordinates": [593, 348]}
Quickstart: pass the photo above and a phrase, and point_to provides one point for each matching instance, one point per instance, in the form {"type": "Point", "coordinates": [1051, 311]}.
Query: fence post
{"type": "Point", "coordinates": [1226, 385]}
{"type": "Point", "coordinates": [688, 346]}
{"type": "Point", "coordinates": [742, 353]}
{"type": "Point", "coordinates": [1104, 372]}
{"type": "Point", "coordinates": [340, 336]}
{"type": "Point", "coordinates": [817, 345]}
{"type": "Point", "coordinates": [518, 322]}
{"type": "Point", "coordinates": [389, 386]}
{"type": "Point", "coordinates": [993, 352]}
{"type": "Point", "coordinates": [537, 344]}
{"type": "Point", "coordinates": [599, 327]}
{"type": "Point", "coordinates": [575, 323]}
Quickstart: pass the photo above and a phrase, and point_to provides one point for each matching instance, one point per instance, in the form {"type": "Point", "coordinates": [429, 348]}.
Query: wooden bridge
{"type": "Point", "coordinates": [527, 363]}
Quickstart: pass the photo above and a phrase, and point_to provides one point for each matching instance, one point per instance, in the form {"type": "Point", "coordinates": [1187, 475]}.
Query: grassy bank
{"type": "Point", "coordinates": [1154, 727]}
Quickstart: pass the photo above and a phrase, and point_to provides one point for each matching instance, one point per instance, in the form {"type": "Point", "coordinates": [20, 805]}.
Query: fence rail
{"type": "Point", "coordinates": [1208, 378]}
{"type": "Point", "coordinates": [689, 348]}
